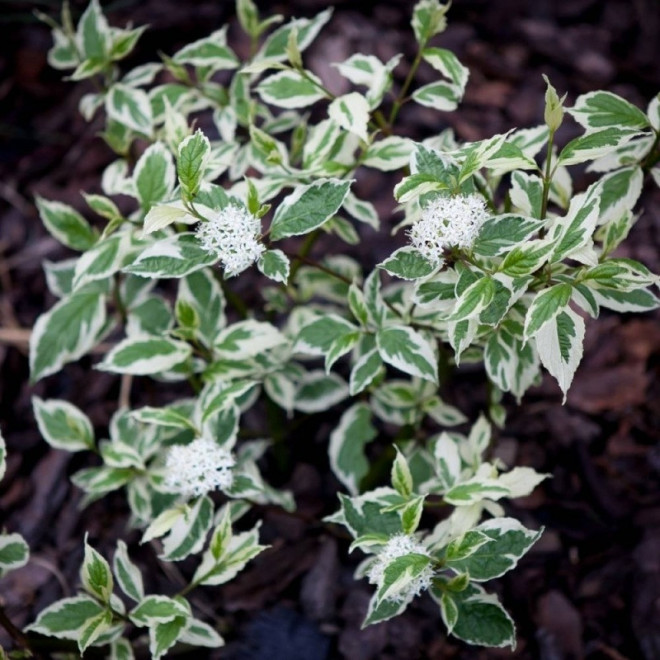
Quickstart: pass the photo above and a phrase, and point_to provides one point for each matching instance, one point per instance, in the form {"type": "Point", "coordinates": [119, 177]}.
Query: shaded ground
{"type": "Point", "coordinates": [591, 587]}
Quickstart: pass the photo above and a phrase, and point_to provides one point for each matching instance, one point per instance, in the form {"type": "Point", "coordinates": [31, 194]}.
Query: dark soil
{"type": "Point", "coordinates": [590, 588]}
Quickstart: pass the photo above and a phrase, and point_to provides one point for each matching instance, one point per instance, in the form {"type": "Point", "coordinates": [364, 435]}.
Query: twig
{"type": "Point", "coordinates": [15, 633]}
{"type": "Point", "coordinates": [125, 391]}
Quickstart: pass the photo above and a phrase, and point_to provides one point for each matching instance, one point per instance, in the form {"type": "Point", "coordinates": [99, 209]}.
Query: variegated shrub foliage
{"type": "Point", "coordinates": [502, 263]}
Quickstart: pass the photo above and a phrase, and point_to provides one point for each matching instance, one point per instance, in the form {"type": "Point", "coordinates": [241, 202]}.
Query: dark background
{"type": "Point", "coordinates": [591, 587]}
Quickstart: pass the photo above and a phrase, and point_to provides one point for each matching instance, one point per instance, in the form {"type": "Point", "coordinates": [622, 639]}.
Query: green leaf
{"type": "Point", "coordinates": [152, 610]}
{"type": "Point", "coordinates": [464, 546]}
{"type": "Point", "coordinates": [59, 276]}
{"type": "Point", "coordinates": [474, 300]}
{"type": "Point", "coordinates": [66, 224]}
{"type": "Point", "coordinates": [163, 636]}
{"type": "Point", "coordinates": [211, 51]}
{"type": "Point", "coordinates": [545, 307]}
{"type": "Point", "coordinates": [447, 460]}
{"type": "Point", "coordinates": [365, 371]}
{"type": "Point", "coordinates": [14, 552]}
{"type": "Point", "coordinates": [503, 542]}
{"type": "Point", "coordinates": [63, 54]}
{"type": "Point", "coordinates": [400, 573]}
{"type": "Point", "coordinates": [166, 417]}
{"type": "Point", "coordinates": [407, 350]}
{"type": "Point", "coordinates": [127, 573]}
{"type": "Point", "coordinates": [274, 264]}
{"type": "Point", "coordinates": [340, 346]}
{"type": "Point", "coordinates": [408, 264]}
{"type": "Point", "coordinates": [189, 531]}
{"type": "Point", "coordinates": [511, 364]}
{"type": "Point", "coordinates": [639, 300]}
{"type": "Point", "coordinates": [475, 490]}
{"type": "Point", "coordinates": [428, 20]}
{"type": "Point", "coordinates": [152, 316]}
{"type": "Point", "coordinates": [198, 633]}
{"type": "Point", "coordinates": [347, 442]}
{"type": "Point", "coordinates": [274, 47]}
{"type": "Point", "coordinates": [478, 617]}
{"type": "Point", "coordinates": [619, 192]}
{"type": "Point", "coordinates": [245, 339]}
{"type": "Point", "coordinates": [382, 610]}
{"type": "Point", "coordinates": [102, 261]}
{"type": "Point", "coordinates": [594, 145]}
{"type": "Point", "coordinates": [351, 112]}
{"type": "Point", "coordinates": [95, 574]}
{"type": "Point", "coordinates": [102, 480]}
{"type": "Point", "coordinates": [478, 154]}
{"type": "Point", "coordinates": [145, 356]}
{"type": "Point", "coordinates": [65, 618]}
{"type": "Point", "coordinates": [601, 109]}
{"type": "Point", "coordinates": [572, 233]}
{"type": "Point", "coordinates": [440, 96]}
{"type": "Point", "coordinates": [559, 345]}
{"type": "Point", "coordinates": [319, 391]}
{"type": "Point", "coordinates": [527, 193]}
{"type": "Point", "coordinates": [502, 232]}
{"type": "Point", "coordinates": [308, 207]}
{"type": "Point", "coordinates": [130, 107]}
{"type": "Point", "coordinates": [93, 629]}
{"type": "Point", "coordinates": [66, 332]}
{"type": "Point", "coordinates": [390, 153]}
{"type": "Point", "coordinates": [175, 256]}
{"type": "Point", "coordinates": [194, 154]}
{"type": "Point", "coordinates": [401, 477]}
{"type": "Point", "coordinates": [447, 63]}
{"type": "Point", "coordinates": [124, 41]}
{"type": "Point", "coordinates": [290, 90]}
{"type": "Point", "coordinates": [121, 649]}
{"type": "Point", "coordinates": [527, 258]}
{"type": "Point", "coordinates": [248, 16]}
{"type": "Point", "coordinates": [204, 294]}
{"type": "Point", "coordinates": [62, 425]}
{"type": "Point", "coordinates": [93, 33]}
{"type": "Point", "coordinates": [366, 514]}
{"type": "Point", "coordinates": [227, 555]}
{"type": "Point", "coordinates": [317, 337]}
{"type": "Point", "coordinates": [154, 175]}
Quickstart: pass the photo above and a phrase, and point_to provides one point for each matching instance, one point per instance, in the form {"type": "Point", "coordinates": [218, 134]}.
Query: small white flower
{"type": "Point", "coordinates": [452, 221]}
{"type": "Point", "coordinates": [232, 235]}
{"type": "Point", "coordinates": [399, 546]}
{"type": "Point", "coordinates": [199, 467]}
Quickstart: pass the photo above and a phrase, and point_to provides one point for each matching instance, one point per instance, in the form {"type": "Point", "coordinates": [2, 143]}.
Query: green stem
{"type": "Point", "coordinates": [400, 99]}
{"type": "Point", "coordinates": [119, 303]}
{"type": "Point", "coordinates": [320, 86]}
{"type": "Point", "coordinates": [304, 251]}
{"type": "Point", "coordinates": [16, 634]}
{"type": "Point", "coordinates": [234, 300]}
{"type": "Point", "coordinates": [315, 264]}
{"type": "Point", "coordinates": [547, 176]}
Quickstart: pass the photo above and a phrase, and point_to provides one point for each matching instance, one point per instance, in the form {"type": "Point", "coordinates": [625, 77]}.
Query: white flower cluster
{"type": "Point", "coordinates": [232, 235]}
{"type": "Point", "coordinates": [199, 467]}
{"type": "Point", "coordinates": [452, 221]}
{"type": "Point", "coordinates": [400, 545]}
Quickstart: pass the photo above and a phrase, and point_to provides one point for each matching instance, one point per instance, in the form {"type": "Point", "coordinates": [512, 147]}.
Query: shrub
{"type": "Point", "coordinates": [502, 262]}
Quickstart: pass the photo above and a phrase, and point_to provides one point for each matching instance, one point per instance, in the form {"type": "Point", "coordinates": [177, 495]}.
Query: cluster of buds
{"type": "Point", "coordinates": [198, 468]}
{"type": "Point", "coordinates": [401, 545]}
{"type": "Point", "coordinates": [232, 234]}
{"type": "Point", "coordinates": [448, 221]}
